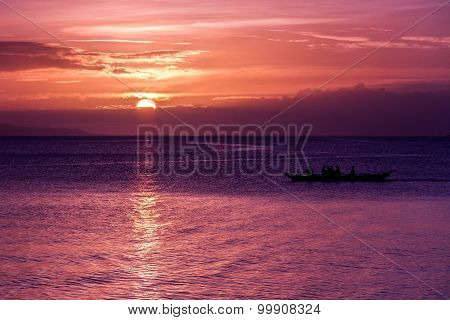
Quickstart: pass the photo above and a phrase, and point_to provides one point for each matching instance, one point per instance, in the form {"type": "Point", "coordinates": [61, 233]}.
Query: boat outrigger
{"type": "Point", "coordinates": [366, 177]}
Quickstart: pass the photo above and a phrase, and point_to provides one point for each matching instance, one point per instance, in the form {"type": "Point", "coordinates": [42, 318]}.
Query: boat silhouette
{"type": "Point", "coordinates": [365, 177]}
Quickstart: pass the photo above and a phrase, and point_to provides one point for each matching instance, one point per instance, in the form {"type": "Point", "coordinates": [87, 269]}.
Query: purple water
{"type": "Point", "coordinates": [78, 222]}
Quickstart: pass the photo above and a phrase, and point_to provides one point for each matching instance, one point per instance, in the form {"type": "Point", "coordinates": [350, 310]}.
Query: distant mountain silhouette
{"type": "Point", "coordinates": [10, 130]}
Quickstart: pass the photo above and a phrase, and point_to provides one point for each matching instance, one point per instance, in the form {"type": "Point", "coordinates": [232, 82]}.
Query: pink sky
{"type": "Point", "coordinates": [206, 53]}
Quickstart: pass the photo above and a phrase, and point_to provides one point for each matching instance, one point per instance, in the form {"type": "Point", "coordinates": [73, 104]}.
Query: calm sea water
{"type": "Point", "coordinates": [78, 222]}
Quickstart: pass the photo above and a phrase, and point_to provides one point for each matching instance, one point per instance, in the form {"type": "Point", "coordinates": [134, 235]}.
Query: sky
{"type": "Point", "coordinates": [92, 56]}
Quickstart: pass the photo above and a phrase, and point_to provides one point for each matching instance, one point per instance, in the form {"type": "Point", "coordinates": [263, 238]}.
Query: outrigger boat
{"type": "Point", "coordinates": [366, 177]}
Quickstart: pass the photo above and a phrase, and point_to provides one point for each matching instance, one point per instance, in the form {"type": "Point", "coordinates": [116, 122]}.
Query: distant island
{"type": "Point", "coordinates": [10, 130]}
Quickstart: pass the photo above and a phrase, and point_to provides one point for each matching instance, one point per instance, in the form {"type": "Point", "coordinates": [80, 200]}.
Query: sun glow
{"type": "Point", "coordinates": [146, 103]}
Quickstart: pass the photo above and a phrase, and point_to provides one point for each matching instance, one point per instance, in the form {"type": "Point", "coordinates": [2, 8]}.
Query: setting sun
{"type": "Point", "coordinates": [146, 103]}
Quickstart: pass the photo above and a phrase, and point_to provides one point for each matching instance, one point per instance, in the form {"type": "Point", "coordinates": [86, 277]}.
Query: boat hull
{"type": "Point", "coordinates": [371, 177]}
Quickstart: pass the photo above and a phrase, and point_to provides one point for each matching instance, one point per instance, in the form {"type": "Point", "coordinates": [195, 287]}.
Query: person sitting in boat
{"type": "Point", "coordinates": [309, 172]}
{"type": "Point", "coordinates": [332, 171]}
{"type": "Point", "coordinates": [352, 172]}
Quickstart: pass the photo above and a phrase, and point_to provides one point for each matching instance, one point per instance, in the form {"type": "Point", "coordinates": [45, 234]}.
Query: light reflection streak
{"type": "Point", "coordinates": [146, 229]}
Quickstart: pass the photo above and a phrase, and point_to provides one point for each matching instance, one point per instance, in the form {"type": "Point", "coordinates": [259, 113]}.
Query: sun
{"type": "Point", "coordinates": [146, 103]}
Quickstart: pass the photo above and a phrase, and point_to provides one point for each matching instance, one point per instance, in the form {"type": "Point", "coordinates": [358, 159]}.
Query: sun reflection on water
{"type": "Point", "coordinates": [146, 240]}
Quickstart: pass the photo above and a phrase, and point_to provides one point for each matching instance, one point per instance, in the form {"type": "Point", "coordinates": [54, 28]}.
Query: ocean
{"type": "Point", "coordinates": [82, 218]}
